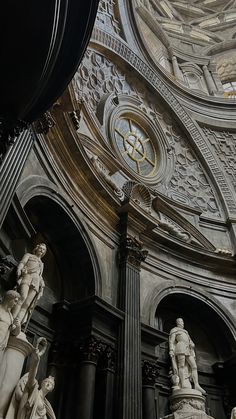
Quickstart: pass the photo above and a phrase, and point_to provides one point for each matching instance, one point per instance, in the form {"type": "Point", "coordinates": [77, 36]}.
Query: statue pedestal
{"type": "Point", "coordinates": [11, 367]}
{"type": "Point", "coordinates": [187, 404]}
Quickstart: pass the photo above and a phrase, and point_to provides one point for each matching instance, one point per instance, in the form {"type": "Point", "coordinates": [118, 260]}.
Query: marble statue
{"type": "Point", "coordinates": [30, 283]}
{"type": "Point", "coordinates": [29, 399]}
{"type": "Point", "coordinates": [183, 359]}
{"type": "Point", "coordinates": [7, 324]}
{"type": "Point", "coordinates": [233, 413]}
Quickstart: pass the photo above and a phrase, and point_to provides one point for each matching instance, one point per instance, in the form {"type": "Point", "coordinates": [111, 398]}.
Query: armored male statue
{"type": "Point", "coordinates": [181, 350]}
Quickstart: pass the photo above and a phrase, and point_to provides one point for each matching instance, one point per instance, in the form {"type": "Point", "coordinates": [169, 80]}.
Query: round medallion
{"type": "Point", "coordinates": [135, 146]}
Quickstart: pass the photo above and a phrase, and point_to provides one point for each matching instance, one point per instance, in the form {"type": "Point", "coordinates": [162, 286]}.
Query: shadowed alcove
{"type": "Point", "coordinates": [68, 266]}
{"type": "Point", "coordinates": [214, 345]}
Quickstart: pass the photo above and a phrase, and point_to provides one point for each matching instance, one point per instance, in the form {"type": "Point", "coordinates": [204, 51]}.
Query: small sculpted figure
{"type": "Point", "coordinates": [233, 413]}
{"type": "Point", "coordinates": [30, 283]}
{"type": "Point", "coordinates": [29, 399]}
{"type": "Point", "coordinates": [181, 350]}
{"type": "Point", "coordinates": [7, 324]}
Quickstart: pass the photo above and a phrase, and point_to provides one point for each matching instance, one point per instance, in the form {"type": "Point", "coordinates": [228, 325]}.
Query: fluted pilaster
{"type": "Point", "coordinates": [130, 381]}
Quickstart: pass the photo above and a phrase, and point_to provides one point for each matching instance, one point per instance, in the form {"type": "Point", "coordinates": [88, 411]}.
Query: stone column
{"type": "Point", "coordinates": [209, 80]}
{"type": "Point", "coordinates": [150, 373]}
{"type": "Point", "coordinates": [105, 387]}
{"type": "Point", "coordinates": [90, 351]}
{"type": "Point", "coordinates": [129, 351]}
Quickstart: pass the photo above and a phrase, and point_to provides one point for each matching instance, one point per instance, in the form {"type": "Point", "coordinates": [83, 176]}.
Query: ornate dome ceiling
{"type": "Point", "coordinates": [199, 34]}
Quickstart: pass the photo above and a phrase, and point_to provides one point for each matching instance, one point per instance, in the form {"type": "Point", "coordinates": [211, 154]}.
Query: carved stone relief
{"type": "Point", "coordinates": [224, 144]}
{"type": "Point", "coordinates": [186, 181]}
{"type": "Point", "coordinates": [97, 77]}
{"type": "Point", "coordinates": [106, 18]}
{"type": "Point", "coordinates": [189, 183]}
{"type": "Point", "coordinates": [104, 172]}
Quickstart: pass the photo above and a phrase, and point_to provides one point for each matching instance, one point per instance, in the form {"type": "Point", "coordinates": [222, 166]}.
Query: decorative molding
{"type": "Point", "coordinates": [106, 18]}
{"type": "Point", "coordinates": [179, 173]}
{"type": "Point", "coordinates": [143, 69]}
{"type": "Point", "coordinates": [75, 118]}
{"type": "Point", "coordinates": [224, 145]}
{"type": "Point", "coordinates": [139, 194]}
{"type": "Point", "coordinates": [103, 171]}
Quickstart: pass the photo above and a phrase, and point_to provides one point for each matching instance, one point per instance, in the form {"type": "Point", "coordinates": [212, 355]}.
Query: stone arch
{"type": "Point", "coordinates": [36, 194]}
{"type": "Point", "coordinates": [169, 288]}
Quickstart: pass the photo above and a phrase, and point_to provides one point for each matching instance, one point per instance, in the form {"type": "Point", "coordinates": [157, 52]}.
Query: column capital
{"type": "Point", "coordinates": [91, 349]}
{"type": "Point", "coordinates": [150, 372]}
{"type": "Point", "coordinates": [131, 251]}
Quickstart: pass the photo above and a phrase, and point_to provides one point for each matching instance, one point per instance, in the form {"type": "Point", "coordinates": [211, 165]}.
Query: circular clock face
{"type": "Point", "coordinates": [135, 146]}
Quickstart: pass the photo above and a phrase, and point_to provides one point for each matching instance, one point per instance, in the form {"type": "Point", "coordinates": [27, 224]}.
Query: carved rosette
{"type": "Point", "coordinates": [150, 373]}
{"type": "Point", "coordinates": [132, 252]}
{"type": "Point", "coordinates": [91, 349]}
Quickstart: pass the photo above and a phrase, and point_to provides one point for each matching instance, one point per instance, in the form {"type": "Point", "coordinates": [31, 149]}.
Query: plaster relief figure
{"type": "Point", "coordinates": [30, 282]}
{"type": "Point", "coordinates": [183, 359]}
{"type": "Point", "coordinates": [7, 324]}
{"type": "Point", "coordinates": [29, 399]}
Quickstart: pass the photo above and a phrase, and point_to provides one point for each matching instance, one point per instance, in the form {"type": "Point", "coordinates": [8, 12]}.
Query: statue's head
{"type": "Point", "coordinates": [180, 322]}
{"type": "Point", "coordinates": [233, 413]}
{"type": "Point", "coordinates": [48, 384]}
{"type": "Point", "coordinates": [11, 298]}
{"type": "Point", "coordinates": [40, 250]}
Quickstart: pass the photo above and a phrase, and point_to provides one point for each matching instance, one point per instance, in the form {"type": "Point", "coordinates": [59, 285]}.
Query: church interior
{"type": "Point", "coordinates": [124, 169]}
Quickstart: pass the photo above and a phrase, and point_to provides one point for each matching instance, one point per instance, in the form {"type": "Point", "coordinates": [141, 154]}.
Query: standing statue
{"type": "Point", "coordinates": [183, 359]}
{"type": "Point", "coordinates": [30, 283]}
{"type": "Point", "coordinates": [29, 400]}
{"type": "Point", "coordinates": [7, 324]}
